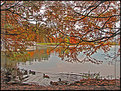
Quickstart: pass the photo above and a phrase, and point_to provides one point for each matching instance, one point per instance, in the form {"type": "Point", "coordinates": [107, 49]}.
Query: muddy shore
{"type": "Point", "coordinates": [84, 84]}
{"type": "Point", "coordinates": [63, 87]}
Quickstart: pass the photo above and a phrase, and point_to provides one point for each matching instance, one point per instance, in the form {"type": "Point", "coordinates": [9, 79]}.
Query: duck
{"type": "Point", "coordinates": [59, 79]}
{"type": "Point", "coordinates": [60, 82]}
{"type": "Point", "coordinates": [53, 83]}
{"type": "Point", "coordinates": [32, 72]}
{"type": "Point", "coordinates": [45, 76]}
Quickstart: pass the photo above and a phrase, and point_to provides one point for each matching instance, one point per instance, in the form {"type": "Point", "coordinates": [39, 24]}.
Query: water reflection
{"type": "Point", "coordinates": [72, 55]}
{"type": "Point", "coordinates": [47, 60]}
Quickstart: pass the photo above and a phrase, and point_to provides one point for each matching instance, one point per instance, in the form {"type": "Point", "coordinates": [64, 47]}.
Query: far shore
{"type": "Point", "coordinates": [30, 48]}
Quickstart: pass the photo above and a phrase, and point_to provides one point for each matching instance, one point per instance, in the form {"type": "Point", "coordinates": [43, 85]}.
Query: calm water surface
{"type": "Point", "coordinates": [51, 63]}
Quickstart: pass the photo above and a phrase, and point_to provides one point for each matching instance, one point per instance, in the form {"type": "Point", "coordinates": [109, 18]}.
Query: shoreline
{"type": "Point", "coordinates": [84, 84]}
{"type": "Point", "coordinates": [34, 47]}
{"type": "Point", "coordinates": [57, 87]}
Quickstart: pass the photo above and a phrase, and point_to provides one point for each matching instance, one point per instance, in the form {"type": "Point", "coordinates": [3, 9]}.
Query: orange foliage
{"type": "Point", "coordinates": [31, 53]}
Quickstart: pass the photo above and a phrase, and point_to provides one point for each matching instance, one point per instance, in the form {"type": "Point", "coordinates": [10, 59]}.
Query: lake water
{"type": "Point", "coordinates": [43, 62]}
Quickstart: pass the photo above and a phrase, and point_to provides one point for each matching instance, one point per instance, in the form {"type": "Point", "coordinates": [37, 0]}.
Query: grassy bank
{"type": "Point", "coordinates": [47, 43]}
{"type": "Point", "coordinates": [68, 43]}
